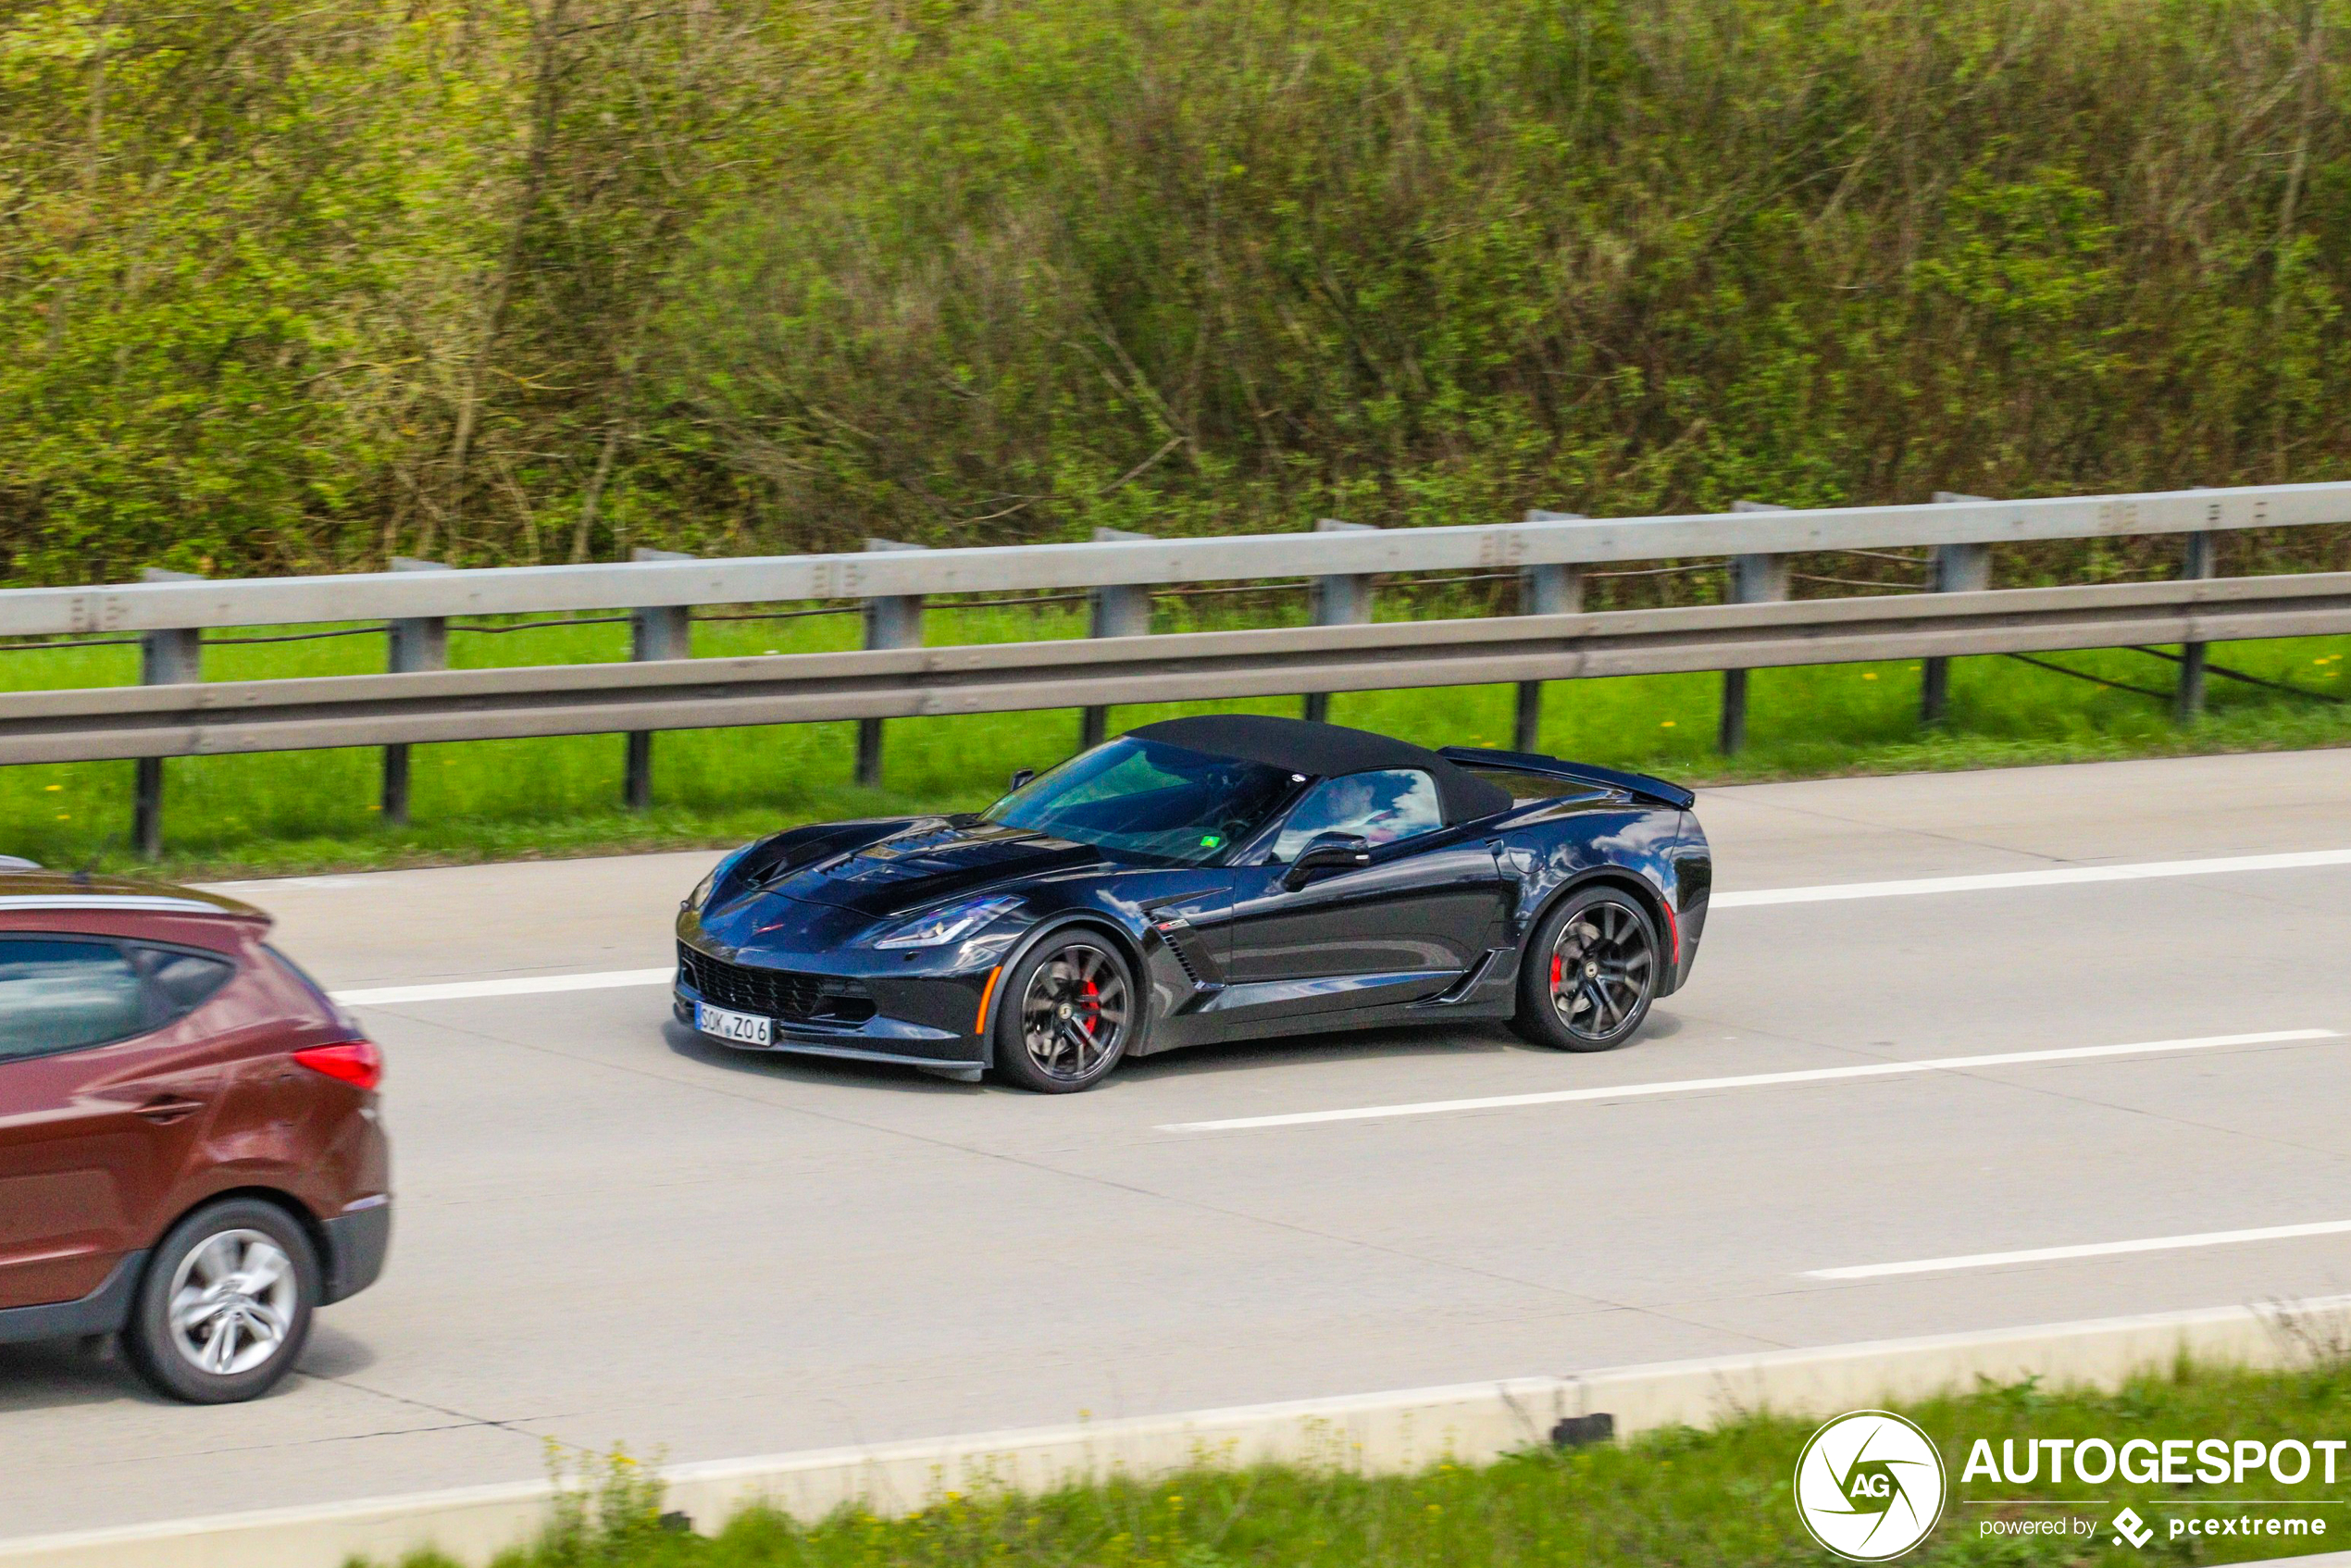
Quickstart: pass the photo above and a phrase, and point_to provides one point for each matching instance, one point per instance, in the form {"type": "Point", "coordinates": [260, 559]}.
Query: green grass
{"type": "Point", "coordinates": [309, 811]}
{"type": "Point", "coordinates": [1673, 1500]}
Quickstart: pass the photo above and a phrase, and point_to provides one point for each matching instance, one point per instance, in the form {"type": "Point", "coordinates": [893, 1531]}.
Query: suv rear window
{"type": "Point", "coordinates": [180, 980]}
{"type": "Point", "coordinates": [58, 994]}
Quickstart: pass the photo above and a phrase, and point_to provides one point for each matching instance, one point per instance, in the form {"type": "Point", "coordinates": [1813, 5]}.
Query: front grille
{"type": "Point", "coordinates": [778, 993]}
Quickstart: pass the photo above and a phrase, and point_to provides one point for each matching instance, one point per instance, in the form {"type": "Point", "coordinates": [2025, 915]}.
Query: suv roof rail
{"type": "Point", "coordinates": [36, 891]}
{"type": "Point", "coordinates": [151, 903]}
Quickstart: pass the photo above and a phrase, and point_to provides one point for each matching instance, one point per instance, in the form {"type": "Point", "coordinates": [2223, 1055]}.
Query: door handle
{"type": "Point", "coordinates": [166, 1110]}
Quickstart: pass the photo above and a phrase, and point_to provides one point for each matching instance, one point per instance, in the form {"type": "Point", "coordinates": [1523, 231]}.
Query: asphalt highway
{"type": "Point", "coordinates": [611, 1231]}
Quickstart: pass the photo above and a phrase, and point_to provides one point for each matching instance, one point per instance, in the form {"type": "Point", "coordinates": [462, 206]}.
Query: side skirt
{"type": "Point", "coordinates": [1486, 1001]}
{"type": "Point", "coordinates": [103, 1311]}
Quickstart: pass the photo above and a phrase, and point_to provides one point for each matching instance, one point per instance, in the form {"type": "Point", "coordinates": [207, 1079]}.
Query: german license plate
{"type": "Point", "coordinates": [741, 1028]}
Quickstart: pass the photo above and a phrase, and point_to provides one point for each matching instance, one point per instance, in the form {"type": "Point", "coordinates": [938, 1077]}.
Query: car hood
{"type": "Point", "coordinates": [929, 862]}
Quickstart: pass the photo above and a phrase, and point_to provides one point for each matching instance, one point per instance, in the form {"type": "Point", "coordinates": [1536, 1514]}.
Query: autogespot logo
{"type": "Point", "coordinates": [1869, 1486]}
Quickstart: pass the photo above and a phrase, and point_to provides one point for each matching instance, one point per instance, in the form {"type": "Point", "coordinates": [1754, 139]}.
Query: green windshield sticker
{"type": "Point", "coordinates": [1210, 840]}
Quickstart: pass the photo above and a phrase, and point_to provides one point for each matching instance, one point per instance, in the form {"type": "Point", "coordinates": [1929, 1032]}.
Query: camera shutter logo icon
{"type": "Point", "coordinates": [1869, 1486]}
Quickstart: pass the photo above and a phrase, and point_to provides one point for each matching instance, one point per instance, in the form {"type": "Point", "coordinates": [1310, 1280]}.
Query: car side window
{"type": "Point", "coordinates": [1383, 806]}
{"type": "Point", "coordinates": [61, 993]}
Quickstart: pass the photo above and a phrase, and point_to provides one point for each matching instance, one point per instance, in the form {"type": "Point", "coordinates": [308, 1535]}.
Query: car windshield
{"type": "Point", "coordinates": [1148, 798]}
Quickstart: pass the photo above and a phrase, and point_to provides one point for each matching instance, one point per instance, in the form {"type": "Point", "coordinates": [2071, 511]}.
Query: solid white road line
{"type": "Point", "coordinates": [527, 985]}
{"type": "Point", "coordinates": [2055, 877]}
{"type": "Point", "coordinates": [2088, 1249]}
{"type": "Point", "coordinates": [1755, 1081]}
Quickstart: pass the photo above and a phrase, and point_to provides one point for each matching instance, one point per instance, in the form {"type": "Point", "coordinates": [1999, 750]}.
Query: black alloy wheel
{"type": "Point", "coordinates": [1590, 973]}
{"type": "Point", "coordinates": [1066, 1017]}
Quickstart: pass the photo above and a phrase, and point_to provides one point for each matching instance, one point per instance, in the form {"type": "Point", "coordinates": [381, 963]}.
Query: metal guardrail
{"type": "Point", "coordinates": [268, 715]}
{"type": "Point", "coordinates": [885, 573]}
{"type": "Point", "coordinates": [176, 714]}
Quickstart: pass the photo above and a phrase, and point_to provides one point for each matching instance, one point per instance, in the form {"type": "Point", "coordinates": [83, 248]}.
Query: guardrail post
{"type": "Point", "coordinates": [1755, 579]}
{"type": "Point", "coordinates": [165, 658]}
{"type": "Point", "coordinates": [418, 644]}
{"type": "Point", "coordinates": [895, 622]}
{"type": "Point", "coordinates": [1543, 590]}
{"type": "Point", "coordinates": [1344, 599]}
{"type": "Point", "coordinates": [1959, 568]}
{"type": "Point", "coordinates": [1117, 610]}
{"type": "Point", "coordinates": [2187, 697]}
{"type": "Point", "coordinates": [662, 631]}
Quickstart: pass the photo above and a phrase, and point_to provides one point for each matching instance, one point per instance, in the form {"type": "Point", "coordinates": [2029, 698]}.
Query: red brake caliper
{"type": "Point", "coordinates": [1093, 1007]}
{"type": "Point", "coordinates": [1558, 970]}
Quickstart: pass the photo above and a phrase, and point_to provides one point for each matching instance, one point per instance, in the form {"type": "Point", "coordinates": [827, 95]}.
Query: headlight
{"type": "Point", "coordinates": [700, 894]}
{"type": "Point", "coordinates": [951, 924]}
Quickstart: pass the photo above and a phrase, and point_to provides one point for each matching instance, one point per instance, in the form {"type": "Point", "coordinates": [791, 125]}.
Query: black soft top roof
{"type": "Point", "coordinates": [1321, 751]}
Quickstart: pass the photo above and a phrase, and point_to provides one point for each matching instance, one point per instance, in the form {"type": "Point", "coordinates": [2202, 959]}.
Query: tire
{"type": "Point", "coordinates": [1067, 1012]}
{"type": "Point", "coordinates": [246, 1279]}
{"type": "Point", "coordinates": [1590, 972]}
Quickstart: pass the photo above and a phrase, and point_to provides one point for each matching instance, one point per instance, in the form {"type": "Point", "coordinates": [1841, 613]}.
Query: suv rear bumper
{"type": "Point", "coordinates": [356, 1242]}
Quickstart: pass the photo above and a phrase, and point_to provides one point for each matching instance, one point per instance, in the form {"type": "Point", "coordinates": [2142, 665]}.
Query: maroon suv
{"type": "Point", "coordinates": [190, 1151]}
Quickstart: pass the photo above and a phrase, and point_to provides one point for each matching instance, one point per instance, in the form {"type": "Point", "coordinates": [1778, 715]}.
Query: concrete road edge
{"type": "Point", "coordinates": [1399, 1430]}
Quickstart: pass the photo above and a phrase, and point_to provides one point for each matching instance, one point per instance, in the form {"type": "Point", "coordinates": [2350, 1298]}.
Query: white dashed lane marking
{"type": "Point", "coordinates": [1757, 1081]}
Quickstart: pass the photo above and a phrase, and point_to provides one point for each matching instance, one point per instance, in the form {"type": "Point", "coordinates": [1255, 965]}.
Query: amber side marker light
{"type": "Point", "coordinates": [986, 992]}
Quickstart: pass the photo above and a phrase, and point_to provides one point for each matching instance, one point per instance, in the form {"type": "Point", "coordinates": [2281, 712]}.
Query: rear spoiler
{"type": "Point", "coordinates": [1639, 784]}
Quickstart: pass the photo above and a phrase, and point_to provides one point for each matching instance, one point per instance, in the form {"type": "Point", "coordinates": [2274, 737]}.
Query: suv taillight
{"type": "Point", "coordinates": [354, 1062]}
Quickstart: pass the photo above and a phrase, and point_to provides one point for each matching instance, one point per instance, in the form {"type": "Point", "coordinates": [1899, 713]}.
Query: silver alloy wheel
{"type": "Point", "coordinates": [1602, 968]}
{"type": "Point", "coordinates": [1074, 1013]}
{"type": "Point", "coordinates": [232, 1302]}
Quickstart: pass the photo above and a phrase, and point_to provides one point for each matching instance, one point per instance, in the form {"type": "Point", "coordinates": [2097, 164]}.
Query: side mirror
{"type": "Point", "coordinates": [1020, 777]}
{"type": "Point", "coordinates": [1327, 852]}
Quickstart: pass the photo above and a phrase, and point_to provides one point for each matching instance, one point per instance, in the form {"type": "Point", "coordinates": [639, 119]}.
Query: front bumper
{"type": "Point", "coordinates": [913, 1015]}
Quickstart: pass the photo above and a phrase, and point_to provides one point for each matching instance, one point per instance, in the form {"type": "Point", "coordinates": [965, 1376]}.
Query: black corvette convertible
{"type": "Point", "coordinates": [1207, 879]}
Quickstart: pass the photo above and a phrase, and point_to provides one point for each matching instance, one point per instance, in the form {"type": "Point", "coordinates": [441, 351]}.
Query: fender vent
{"type": "Point", "coordinates": [1183, 959]}
{"type": "Point", "coordinates": [1184, 942]}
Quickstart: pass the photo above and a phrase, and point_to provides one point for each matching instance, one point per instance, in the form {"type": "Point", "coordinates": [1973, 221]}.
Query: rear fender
{"type": "Point", "coordinates": [1653, 899]}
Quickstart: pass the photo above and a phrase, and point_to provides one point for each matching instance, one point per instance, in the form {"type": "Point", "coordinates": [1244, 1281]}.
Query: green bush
{"type": "Point", "coordinates": [290, 287]}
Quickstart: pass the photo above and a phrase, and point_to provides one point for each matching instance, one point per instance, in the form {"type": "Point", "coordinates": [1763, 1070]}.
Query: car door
{"type": "Point", "coordinates": [1403, 928]}
{"type": "Point", "coordinates": [103, 1098]}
